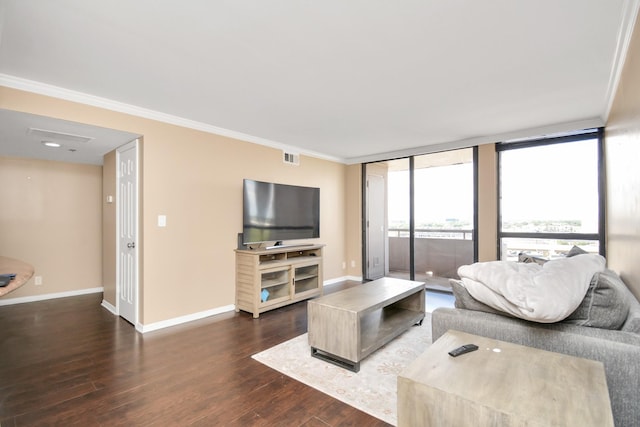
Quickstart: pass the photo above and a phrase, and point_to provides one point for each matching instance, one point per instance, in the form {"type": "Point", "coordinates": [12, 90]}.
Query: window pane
{"type": "Point", "coordinates": [550, 188]}
{"type": "Point", "coordinates": [544, 248]}
{"type": "Point", "coordinates": [443, 215]}
{"type": "Point", "coordinates": [398, 207]}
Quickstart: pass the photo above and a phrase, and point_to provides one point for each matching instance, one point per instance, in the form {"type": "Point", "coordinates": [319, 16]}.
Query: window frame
{"type": "Point", "coordinates": [600, 236]}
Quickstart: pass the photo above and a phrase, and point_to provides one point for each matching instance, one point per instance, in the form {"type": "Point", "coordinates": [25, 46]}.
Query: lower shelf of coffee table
{"type": "Point", "coordinates": [348, 326]}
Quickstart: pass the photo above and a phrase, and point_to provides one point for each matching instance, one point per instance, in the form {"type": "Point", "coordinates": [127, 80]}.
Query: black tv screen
{"type": "Point", "coordinates": [277, 212]}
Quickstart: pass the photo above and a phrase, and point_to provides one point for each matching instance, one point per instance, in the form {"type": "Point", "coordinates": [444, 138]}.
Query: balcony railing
{"type": "Point", "coordinates": [431, 233]}
{"type": "Point", "coordinates": [438, 252]}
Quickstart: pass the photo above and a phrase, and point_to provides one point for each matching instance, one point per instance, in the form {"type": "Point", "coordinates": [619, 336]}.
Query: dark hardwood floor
{"type": "Point", "coordinates": [69, 361]}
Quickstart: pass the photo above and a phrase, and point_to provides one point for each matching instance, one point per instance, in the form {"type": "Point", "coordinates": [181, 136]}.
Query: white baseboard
{"type": "Point", "coordinates": [156, 325]}
{"type": "Point", "coordinates": [342, 279]}
{"type": "Point", "coordinates": [183, 319]}
{"type": "Point", "coordinates": [21, 300]}
{"type": "Point", "coordinates": [109, 306]}
{"type": "Point", "coordinates": [201, 315]}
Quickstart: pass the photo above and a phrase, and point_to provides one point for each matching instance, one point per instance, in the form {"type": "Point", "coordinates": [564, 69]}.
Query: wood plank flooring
{"type": "Point", "coordinates": [69, 361]}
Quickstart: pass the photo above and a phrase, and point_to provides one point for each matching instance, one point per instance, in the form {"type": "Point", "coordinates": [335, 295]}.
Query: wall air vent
{"type": "Point", "coordinates": [58, 136]}
{"type": "Point", "coordinates": [291, 158]}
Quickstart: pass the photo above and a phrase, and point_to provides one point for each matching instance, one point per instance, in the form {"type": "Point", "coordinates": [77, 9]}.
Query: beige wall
{"type": "Point", "coordinates": [51, 218]}
{"type": "Point", "coordinates": [109, 228]}
{"type": "Point", "coordinates": [622, 144]}
{"type": "Point", "coordinates": [195, 179]}
{"type": "Point", "coordinates": [487, 232]}
{"type": "Point", "coordinates": [353, 221]}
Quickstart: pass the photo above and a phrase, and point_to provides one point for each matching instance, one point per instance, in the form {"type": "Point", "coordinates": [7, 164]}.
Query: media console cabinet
{"type": "Point", "coordinates": [271, 278]}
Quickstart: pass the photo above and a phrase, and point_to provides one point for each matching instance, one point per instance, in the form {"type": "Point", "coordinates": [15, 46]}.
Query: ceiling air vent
{"type": "Point", "coordinates": [291, 158]}
{"type": "Point", "coordinates": [58, 136]}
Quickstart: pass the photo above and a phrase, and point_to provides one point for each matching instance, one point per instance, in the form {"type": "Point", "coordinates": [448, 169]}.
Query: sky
{"type": "Point", "coordinates": [557, 181]}
{"type": "Point", "coordinates": [441, 193]}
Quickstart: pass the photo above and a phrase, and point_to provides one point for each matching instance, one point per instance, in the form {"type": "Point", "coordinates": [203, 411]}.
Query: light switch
{"type": "Point", "coordinates": [162, 220]}
{"type": "Point", "coordinates": [109, 199]}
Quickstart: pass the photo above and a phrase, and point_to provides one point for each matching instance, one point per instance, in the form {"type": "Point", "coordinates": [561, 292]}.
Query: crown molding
{"type": "Point", "coordinates": [627, 23]}
{"type": "Point", "coordinates": [120, 107]}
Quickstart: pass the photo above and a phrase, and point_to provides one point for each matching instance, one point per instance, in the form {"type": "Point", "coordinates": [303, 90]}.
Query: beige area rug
{"type": "Point", "coordinates": [372, 389]}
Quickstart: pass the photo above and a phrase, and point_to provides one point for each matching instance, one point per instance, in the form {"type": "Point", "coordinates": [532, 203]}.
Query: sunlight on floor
{"type": "Point", "coordinates": [434, 300]}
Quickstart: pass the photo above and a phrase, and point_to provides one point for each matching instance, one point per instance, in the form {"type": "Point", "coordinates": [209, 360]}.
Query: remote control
{"type": "Point", "coordinates": [462, 350]}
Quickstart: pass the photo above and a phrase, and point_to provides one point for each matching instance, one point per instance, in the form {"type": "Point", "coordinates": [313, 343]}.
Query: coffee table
{"type": "Point", "coordinates": [347, 326]}
{"type": "Point", "coordinates": [501, 384]}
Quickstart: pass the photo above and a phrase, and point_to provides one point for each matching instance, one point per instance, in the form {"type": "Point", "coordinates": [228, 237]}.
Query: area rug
{"type": "Point", "coordinates": [372, 389]}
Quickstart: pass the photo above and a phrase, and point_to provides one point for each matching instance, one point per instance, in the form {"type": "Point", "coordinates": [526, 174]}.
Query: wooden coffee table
{"type": "Point", "coordinates": [347, 326]}
{"type": "Point", "coordinates": [501, 384]}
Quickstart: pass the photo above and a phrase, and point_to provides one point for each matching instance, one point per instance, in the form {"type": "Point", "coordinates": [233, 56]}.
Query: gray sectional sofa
{"type": "Point", "coordinates": [617, 349]}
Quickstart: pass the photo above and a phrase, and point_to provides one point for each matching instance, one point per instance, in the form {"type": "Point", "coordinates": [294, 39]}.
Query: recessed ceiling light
{"type": "Point", "coordinates": [59, 136]}
{"type": "Point", "coordinates": [51, 144]}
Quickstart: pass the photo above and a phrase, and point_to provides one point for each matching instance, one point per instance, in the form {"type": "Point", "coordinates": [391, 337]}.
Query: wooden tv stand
{"type": "Point", "coordinates": [271, 278]}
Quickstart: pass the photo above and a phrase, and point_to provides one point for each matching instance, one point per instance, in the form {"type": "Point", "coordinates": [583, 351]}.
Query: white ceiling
{"type": "Point", "coordinates": [350, 80]}
{"type": "Point", "coordinates": [18, 139]}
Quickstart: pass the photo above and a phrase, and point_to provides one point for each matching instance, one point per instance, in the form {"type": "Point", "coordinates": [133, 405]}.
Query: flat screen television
{"type": "Point", "coordinates": [278, 212]}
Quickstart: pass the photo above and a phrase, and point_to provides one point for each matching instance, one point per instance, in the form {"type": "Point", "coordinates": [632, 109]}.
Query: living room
{"type": "Point", "coordinates": [193, 177]}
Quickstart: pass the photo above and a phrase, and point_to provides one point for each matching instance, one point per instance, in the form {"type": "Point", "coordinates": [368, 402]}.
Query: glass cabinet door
{"type": "Point", "coordinates": [305, 279]}
{"type": "Point", "coordinates": [275, 286]}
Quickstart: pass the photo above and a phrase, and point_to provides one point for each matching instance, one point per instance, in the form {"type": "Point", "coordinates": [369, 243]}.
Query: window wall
{"type": "Point", "coordinates": [551, 196]}
{"type": "Point", "coordinates": [399, 219]}
{"type": "Point", "coordinates": [444, 214]}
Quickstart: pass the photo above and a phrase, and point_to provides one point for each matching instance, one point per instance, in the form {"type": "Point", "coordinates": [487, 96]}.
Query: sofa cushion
{"type": "Point", "coordinates": [606, 304]}
{"type": "Point", "coordinates": [463, 299]}
{"type": "Point", "coordinates": [541, 293]}
{"type": "Point", "coordinates": [632, 324]}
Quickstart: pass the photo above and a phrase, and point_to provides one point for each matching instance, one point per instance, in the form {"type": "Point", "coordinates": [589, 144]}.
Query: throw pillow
{"type": "Point", "coordinates": [605, 305]}
{"type": "Point", "coordinates": [575, 251]}
{"type": "Point", "coordinates": [524, 257]}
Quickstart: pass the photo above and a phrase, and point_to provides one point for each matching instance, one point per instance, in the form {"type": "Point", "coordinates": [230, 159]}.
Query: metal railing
{"type": "Point", "coordinates": [431, 233]}
{"type": "Point", "coordinates": [438, 252]}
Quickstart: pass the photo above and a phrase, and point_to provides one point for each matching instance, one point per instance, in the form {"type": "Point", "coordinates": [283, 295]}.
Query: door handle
{"type": "Point", "coordinates": [131, 245]}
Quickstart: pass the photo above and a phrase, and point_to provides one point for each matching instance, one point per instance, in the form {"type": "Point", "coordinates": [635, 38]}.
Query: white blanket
{"type": "Point", "coordinates": [542, 293]}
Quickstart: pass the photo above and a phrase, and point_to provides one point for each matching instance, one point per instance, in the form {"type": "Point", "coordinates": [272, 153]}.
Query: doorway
{"type": "Point", "coordinates": [127, 231]}
{"type": "Point", "coordinates": [376, 247]}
